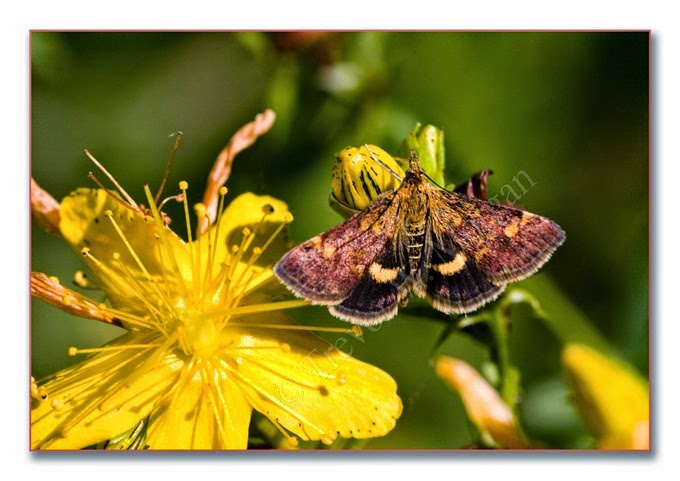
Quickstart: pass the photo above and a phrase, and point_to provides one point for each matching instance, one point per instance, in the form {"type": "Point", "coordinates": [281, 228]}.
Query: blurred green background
{"type": "Point", "coordinates": [568, 109]}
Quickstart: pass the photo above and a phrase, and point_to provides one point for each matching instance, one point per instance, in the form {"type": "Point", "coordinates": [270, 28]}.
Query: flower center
{"type": "Point", "coordinates": [199, 335]}
{"type": "Point", "coordinates": [189, 292]}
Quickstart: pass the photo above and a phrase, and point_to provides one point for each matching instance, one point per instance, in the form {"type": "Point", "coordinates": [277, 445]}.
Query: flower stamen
{"type": "Point", "coordinates": [39, 393]}
{"type": "Point", "coordinates": [287, 219]}
{"type": "Point", "coordinates": [212, 387]}
{"type": "Point", "coordinates": [74, 351]}
{"type": "Point", "coordinates": [291, 327]}
{"type": "Point", "coordinates": [238, 251]}
{"type": "Point", "coordinates": [140, 294]}
{"type": "Point", "coordinates": [216, 234]}
{"type": "Point", "coordinates": [176, 198]}
{"type": "Point", "coordinates": [129, 319]}
{"type": "Point", "coordinates": [168, 166]}
{"type": "Point", "coordinates": [183, 186]}
{"type": "Point", "coordinates": [81, 280]}
{"type": "Point", "coordinates": [112, 179]}
{"type": "Point", "coordinates": [132, 252]}
{"type": "Point", "coordinates": [85, 251]}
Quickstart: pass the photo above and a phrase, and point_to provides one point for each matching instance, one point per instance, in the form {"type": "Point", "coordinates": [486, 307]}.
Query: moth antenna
{"type": "Point", "coordinates": [432, 180]}
{"type": "Point", "coordinates": [179, 135]}
{"type": "Point", "coordinates": [383, 165]}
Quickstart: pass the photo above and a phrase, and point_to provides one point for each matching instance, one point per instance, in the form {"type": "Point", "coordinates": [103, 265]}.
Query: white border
{"type": "Point", "coordinates": [19, 17]}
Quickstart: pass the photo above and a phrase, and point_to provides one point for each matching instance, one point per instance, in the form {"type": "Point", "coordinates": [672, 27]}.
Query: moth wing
{"type": "Point", "coordinates": [326, 268]}
{"type": "Point", "coordinates": [506, 244]}
{"type": "Point", "coordinates": [450, 279]}
{"type": "Point", "coordinates": [384, 284]}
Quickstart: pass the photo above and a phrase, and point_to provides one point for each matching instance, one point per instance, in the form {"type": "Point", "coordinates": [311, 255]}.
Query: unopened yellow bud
{"type": "Point", "coordinates": [483, 404]}
{"type": "Point", "coordinates": [358, 179]}
{"type": "Point", "coordinates": [612, 398]}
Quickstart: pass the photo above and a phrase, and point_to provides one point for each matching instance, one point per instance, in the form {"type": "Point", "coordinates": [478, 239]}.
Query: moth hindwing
{"type": "Point", "coordinates": [458, 252]}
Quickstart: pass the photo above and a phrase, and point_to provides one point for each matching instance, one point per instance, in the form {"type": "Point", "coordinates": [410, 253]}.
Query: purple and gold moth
{"type": "Point", "coordinates": [456, 251]}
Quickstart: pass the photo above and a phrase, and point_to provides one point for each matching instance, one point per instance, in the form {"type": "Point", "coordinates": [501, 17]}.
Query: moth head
{"type": "Point", "coordinates": [414, 165]}
{"type": "Point", "coordinates": [416, 176]}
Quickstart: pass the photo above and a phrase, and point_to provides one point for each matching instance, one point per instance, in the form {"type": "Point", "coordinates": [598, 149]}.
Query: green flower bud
{"type": "Point", "coordinates": [428, 142]}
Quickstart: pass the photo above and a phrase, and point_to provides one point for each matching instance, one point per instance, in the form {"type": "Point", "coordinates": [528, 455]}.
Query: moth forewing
{"type": "Point", "coordinates": [328, 267]}
{"type": "Point", "coordinates": [384, 285]}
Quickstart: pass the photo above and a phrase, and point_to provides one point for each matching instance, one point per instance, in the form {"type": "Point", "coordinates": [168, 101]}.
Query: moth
{"type": "Point", "coordinates": [455, 251]}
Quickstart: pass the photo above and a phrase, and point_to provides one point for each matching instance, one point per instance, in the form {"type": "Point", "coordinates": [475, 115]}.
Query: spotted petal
{"type": "Point", "coordinates": [126, 278]}
{"type": "Point", "coordinates": [102, 397]}
{"type": "Point", "coordinates": [312, 388]}
{"type": "Point", "coordinates": [199, 417]}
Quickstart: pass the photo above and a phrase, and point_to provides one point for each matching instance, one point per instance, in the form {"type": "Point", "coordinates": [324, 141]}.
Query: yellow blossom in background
{"type": "Point", "coordinates": [483, 405]}
{"type": "Point", "coordinates": [612, 399]}
{"type": "Point", "coordinates": [206, 342]}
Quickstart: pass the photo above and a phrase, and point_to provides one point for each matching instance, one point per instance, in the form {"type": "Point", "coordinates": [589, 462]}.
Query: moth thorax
{"type": "Point", "coordinates": [415, 205]}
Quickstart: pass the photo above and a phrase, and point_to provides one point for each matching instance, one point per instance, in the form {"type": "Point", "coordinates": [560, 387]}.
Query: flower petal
{"type": "Point", "coordinates": [188, 420]}
{"type": "Point", "coordinates": [311, 387]}
{"type": "Point", "coordinates": [262, 215]}
{"type": "Point", "coordinates": [127, 284]}
{"type": "Point", "coordinates": [103, 396]}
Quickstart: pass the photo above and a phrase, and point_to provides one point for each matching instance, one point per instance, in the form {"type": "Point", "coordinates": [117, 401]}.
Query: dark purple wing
{"type": "Point", "coordinates": [326, 268]}
{"type": "Point", "coordinates": [505, 244]}
{"type": "Point", "coordinates": [385, 283]}
{"type": "Point", "coordinates": [451, 280]}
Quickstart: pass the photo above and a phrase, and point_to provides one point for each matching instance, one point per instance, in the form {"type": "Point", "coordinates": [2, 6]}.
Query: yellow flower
{"type": "Point", "coordinates": [484, 406]}
{"type": "Point", "coordinates": [611, 397]}
{"type": "Point", "coordinates": [207, 341]}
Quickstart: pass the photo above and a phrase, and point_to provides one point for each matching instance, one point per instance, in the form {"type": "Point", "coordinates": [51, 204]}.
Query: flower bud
{"type": "Point", "coordinates": [612, 399]}
{"type": "Point", "coordinates": [483, 405]}
{"type": "Point", "coordinates": [428, 142]}
{"type": "Point", "coordinates": [357, 179]}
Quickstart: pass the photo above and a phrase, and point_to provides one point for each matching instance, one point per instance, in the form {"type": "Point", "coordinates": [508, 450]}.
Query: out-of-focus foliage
{"type": "Point", "coordinates": [560, 118]}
